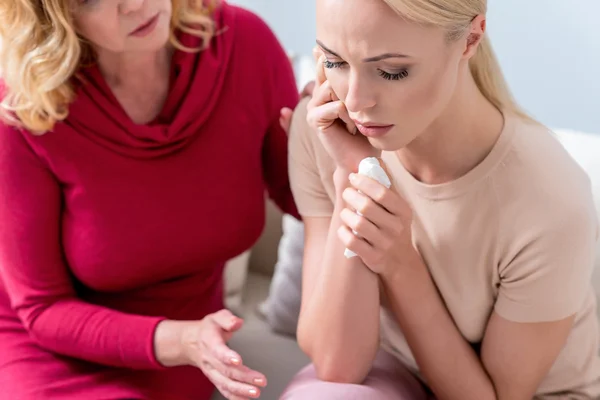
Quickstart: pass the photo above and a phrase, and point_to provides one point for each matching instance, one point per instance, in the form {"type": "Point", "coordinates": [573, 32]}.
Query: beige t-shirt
{"type": "Point", "coordinates": [516, 235]}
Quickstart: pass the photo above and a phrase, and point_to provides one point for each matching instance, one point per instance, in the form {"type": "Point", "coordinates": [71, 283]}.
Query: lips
{"type": "Point", "coordinates": [145, 25]}
{"type": "Point", "coordinates": [371, 129]}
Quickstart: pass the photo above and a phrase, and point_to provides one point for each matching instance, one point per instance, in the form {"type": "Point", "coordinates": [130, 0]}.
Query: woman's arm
{"type": "Point", "coordinates": [339, 317]}
{"type": "Point", "coordinates": [37, 280]}
{"type": "Point", "coordinates": [531, 321]}
{"type": "Point", "coordinates": [515, 356]}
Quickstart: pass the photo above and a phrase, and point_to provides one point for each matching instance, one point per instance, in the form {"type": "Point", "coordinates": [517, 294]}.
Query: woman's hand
{"type": "Point", "coordinates": [328, 115]}
{"type": "Point", "coordinates": [203, 344]}
{"type": "Point", "coordinates": [383, 237]}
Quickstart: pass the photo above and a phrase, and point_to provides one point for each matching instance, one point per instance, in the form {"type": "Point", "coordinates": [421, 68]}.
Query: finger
{"type": "Point", "coordinates": [387, 198]}
{"type": "Point", "coordinates": [229, 387]}
{"type": "Point", "coordinates": [285, 119]}
{"type": "Point", "coordinates": [364, 205]}
{"type": "Point", "coordinates": [230, 396]}
{"type": "Point", "coordinates": [213, 343]}
{"type": "Point", "coordinates": [240, 373]}
{"type": "Point", "coordinates": [323, 94]}
{"type": "Point", "coordinates": [354, 243]}
{"type": "Point", "coordinates": [324, 116]}
{"type": "Point", "coordinates": [364, 228]}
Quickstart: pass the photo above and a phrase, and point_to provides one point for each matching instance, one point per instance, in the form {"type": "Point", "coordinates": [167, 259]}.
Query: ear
{"type": "Point", "coordinates": [475, 35]}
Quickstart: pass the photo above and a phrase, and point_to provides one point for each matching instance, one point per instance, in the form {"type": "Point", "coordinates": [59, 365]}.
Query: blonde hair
{"type": "Point", "coordinates": [42, 52]}
{"type": "Point", "coordinates": [455, 17]}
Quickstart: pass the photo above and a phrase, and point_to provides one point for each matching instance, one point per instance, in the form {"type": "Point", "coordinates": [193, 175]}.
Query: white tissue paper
{"type": "Point", "coordinates": [370, 167]}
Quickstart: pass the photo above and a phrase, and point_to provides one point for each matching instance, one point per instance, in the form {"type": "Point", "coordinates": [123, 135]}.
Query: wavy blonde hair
{"type": "Point", "coordinates": [455, 17]}
{"type": "Point", "coordinates": [42, 52]}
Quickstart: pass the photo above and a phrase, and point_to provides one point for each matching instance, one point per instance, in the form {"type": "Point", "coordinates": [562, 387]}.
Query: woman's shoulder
{"type": "Point", "coordinates": [16, 141]}
{"type": "Point", "coordinates": [305, 145]}
{"type": "Point", "coordinates": [538, 155]}
{"type": "Point", "coordinates": [259, 56]}
{"type": "Point", "coordinates": [251, 28]}
{"type": "Point", "coordinates": [17, 150]}
{"type": "Point", "coordinates": [540, 182]}
{"type": "Point", "coordinates": [311, 167]}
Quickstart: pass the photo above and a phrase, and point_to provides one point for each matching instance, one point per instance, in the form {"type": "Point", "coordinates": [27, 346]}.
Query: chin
{"type": "Point", "coordinates": [155, 43]}
{"type": "Point", "coordinates": [161, 40]}
{"type": "Point", "coordinates": [389, 143]}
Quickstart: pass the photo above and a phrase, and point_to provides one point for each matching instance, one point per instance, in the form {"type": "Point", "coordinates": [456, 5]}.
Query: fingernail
{"type": "Point", "coordinates": [253, 392]}
{"type": "Point", "coordinates": [352, 177]}
{"type": "Point", "coordinates": [235, 360]}
{"type": "Point", "coordinates": [259, 381]}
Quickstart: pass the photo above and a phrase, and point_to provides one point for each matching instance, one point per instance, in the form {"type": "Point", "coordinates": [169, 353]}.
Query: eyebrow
{"type": "Point", "coordinates": [380, 57]}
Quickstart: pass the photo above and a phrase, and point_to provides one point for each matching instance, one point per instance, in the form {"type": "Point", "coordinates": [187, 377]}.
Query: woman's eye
{"type": "Point", "coordinates": [393, 77]}
{"type": "Point", "coordinates": [84, 3]}
{"type": "Point", "coordinates": [330, 64]}
{"type": "Point", "coordinates": [385, 75]}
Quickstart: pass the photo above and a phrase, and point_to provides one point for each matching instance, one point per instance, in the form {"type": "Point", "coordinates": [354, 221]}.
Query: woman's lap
{"type": "Point", "coordinates": [387, 380]}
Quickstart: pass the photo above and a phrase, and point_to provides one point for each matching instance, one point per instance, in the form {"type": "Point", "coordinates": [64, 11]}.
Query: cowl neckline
{"type": "Point", "coordinates": [197, 83]}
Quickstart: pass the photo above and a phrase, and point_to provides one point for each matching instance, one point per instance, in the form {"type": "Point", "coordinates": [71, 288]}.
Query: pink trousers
{"type": "Point", "coordinates": [388, 380]}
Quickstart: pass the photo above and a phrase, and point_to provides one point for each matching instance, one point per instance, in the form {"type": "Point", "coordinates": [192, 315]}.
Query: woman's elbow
{"type": "Point", "coordinates": [339, 372]}
{"type": "Point", "coordinates": [331, 367]}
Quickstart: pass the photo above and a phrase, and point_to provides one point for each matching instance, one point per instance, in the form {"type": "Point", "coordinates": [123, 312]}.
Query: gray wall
{"type": "Point", "coordinates": [549, 49]}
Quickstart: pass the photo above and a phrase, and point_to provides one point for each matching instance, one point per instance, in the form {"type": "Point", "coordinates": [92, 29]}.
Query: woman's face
{"type": "Point", "coordinates": [387, 71]}
{"type": "Point", "coordinates": [124, 25]}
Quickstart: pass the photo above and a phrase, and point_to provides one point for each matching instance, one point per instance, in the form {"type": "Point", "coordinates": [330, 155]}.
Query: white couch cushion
{"type": "Point", "coordinates": [235, 274]}
{"type": "Point", "coordinates": [585, 149]}
{"type": "Point", "coordinates": [282, 307]}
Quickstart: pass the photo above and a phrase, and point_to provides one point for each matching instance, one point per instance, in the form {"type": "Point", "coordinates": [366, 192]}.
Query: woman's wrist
{"type": "Point", "coordinates": [340, 180]}
{"type": "Point", "coordinates": [168, 343]}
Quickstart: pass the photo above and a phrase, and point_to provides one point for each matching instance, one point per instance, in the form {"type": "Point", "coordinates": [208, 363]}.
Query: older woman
{"type": "Point", "coordinates": [139, 137]}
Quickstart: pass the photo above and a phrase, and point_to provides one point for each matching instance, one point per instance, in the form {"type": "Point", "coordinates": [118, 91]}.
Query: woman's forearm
{"type": "Point", "coordinates": [446, 360]}
{"type": "Point", "coordinates": [339, 327]}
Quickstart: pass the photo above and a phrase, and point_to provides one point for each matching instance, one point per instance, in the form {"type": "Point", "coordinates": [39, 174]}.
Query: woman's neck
{"type": "Point", "coordinates": [139, 81]}
{"type": "Point", "coordinates": [133, 69]}
{"type": "Point", "coordinates": [458, 140]}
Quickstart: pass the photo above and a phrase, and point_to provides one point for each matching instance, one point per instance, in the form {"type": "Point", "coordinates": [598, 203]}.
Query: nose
{"type": "Point", "coordinates": [130, 6]}
{"type": "Point", "coordinates": [360, 96]}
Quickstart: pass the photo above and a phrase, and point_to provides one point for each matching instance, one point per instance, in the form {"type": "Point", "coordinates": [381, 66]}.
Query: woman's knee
{"type": "Point", "coordinates": [387, 380]}
{"type": "Point", "coordinates": [306, 386]}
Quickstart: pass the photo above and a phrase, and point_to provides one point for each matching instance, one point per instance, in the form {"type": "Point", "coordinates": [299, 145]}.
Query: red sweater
{"type": "Point", "coordinates": [108, 227]}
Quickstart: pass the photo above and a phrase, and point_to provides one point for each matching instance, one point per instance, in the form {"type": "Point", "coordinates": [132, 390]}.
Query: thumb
{"type": "Point", "coordinates": [227, 321]}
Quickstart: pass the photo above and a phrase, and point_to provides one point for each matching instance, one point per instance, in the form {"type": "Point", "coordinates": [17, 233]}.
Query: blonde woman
{"type": "Point", "coordinates": [139, 139]}
{"type": "Point", "coordinates": [479, 256]}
